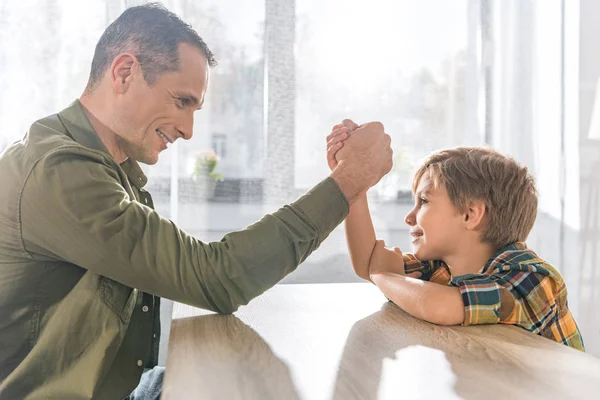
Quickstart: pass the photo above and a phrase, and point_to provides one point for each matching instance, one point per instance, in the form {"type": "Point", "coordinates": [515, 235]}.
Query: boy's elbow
{"type": "Point", "coordinates": [448, 320]}
{"type": "Point", "coordinates": [362, 272]}
{"type": "Point", "coordinates": [366, 276]}
{"type": "Point", "coordinates": [447, 315]}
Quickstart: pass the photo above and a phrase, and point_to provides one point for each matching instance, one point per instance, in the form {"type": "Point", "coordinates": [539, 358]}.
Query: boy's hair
{"type": "Point", "coordinates": [477, 173]}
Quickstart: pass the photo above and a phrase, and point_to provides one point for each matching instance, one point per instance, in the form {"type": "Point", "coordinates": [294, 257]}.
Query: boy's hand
{"type": "Point", "coordinates": [335, 140]}
{"type": "Point", "coordinates": [386, 260]}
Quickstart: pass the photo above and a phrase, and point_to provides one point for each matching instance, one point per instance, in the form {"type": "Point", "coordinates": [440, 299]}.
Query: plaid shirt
{"type": "Point", "coordinates": [514, 287]}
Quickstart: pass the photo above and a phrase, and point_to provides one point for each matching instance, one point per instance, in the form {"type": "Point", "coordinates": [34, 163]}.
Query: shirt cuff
{"type": "Point", "coordinates": [481, 301]}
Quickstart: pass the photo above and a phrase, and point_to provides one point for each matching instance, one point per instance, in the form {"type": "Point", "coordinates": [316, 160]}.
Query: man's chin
{"type": "Point", "coordinates": [148, 159]}
{"type": "Point", "coordinates": [149, 162]}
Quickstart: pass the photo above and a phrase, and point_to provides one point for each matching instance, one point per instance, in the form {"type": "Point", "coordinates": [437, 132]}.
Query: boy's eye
{"type": "Point", "coordinates": [423, 200]}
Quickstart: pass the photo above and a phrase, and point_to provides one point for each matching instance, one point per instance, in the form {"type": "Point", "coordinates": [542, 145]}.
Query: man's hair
{"type": "Point", "coordinates": [153, 34]}
{"type": "Point", "coordinates": [477, 173]}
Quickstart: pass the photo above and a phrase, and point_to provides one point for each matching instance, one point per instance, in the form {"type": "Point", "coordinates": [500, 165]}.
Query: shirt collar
{"type": "Point", "coordinates": [135, 173]}
{"type": "Point", "coordinates": [80, 129]}
{"type": "Point", "coordinates": [516, 246]}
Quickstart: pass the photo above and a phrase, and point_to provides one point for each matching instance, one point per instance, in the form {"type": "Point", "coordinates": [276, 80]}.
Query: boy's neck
{"type": "Point", "coordinates": [471, 260]}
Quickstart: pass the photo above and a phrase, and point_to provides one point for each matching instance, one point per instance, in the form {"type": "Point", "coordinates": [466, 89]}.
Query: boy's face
{"type": "Point", "coordinates": [437, 229]}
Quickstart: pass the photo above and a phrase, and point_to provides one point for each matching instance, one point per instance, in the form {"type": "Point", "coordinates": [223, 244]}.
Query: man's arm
{"type": "Point", "coordinates": [75, 209]}
{"type": "Point", "coordinates": [428, 301]}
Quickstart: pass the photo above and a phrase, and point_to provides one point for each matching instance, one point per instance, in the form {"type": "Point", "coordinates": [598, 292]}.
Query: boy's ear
{"type": "Point", "coordinates": [475, 215]}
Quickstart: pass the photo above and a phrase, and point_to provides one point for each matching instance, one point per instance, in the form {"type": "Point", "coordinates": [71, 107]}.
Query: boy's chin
{"type": "Point", "coordinates": [421, 253]}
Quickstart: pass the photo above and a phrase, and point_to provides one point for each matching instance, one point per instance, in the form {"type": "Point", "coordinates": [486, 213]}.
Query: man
{"type": "Point", "coordinates": [83, 256]}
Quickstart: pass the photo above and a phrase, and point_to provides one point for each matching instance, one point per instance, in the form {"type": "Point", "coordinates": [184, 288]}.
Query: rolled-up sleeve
{"type": "Point", "coordinates": [75, 208]}
{"type": "Point", "coordinates": [481, 298]}
{"type": "Point", "coordinates": [518, 298]}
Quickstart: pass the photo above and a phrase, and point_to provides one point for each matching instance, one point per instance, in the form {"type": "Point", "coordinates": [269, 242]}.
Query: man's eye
{"type": "Point", "coordinates": [184, 102]}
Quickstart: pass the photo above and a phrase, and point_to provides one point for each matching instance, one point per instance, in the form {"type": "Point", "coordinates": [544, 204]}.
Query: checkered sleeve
{"type": "Point", "coordinates": [412, 264]}
{"type": "Point", "coordinates": [525, 299]}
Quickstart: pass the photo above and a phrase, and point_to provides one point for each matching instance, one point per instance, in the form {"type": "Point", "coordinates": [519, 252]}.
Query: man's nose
{"type": "Point", "coordinates": [186, 127]}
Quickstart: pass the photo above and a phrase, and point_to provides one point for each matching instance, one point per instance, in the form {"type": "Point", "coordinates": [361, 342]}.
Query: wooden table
{"type": "Point", "coordinates": [346, 341]}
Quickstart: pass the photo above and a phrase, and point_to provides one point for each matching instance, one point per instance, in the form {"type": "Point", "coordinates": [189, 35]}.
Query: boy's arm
{"type": "Point", "coordinates": [369, 255]}
{"type": "Point", "coordinates": [432, 302]}
{"type": "Point", "coordinates": [360, 236]}
{"type": "Point", "coordinates": [525, 296]}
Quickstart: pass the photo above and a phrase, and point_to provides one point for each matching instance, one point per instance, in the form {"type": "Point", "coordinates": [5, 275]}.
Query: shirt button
{"type": "Point", "coordinates": [139, 363]}
{"type": "Point", "coordinates": [145, 309]}
{"type": "Point", "coordinates": [146, 201]}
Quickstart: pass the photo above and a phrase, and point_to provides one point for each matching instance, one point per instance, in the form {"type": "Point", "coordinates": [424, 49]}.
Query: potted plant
{"type": "Point", "coordinates": [204, 175]}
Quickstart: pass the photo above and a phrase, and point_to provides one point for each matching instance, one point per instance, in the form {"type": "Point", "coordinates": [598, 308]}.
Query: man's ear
{"type": "Point", "coordinates": [475, 215]}
{"type": "Point", "coordinates": [122, 72]}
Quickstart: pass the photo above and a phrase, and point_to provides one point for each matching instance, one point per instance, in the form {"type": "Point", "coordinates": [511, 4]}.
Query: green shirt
{"type": "Point", "coordinates": [84, 259]}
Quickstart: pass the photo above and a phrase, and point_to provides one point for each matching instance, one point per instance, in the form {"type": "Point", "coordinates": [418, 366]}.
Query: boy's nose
{"type": "Point", "coordinates": [409, 218]}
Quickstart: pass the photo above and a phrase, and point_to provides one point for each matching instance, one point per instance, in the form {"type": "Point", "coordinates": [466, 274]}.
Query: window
{"type": "Point", "coordinates": [436, 73]}
{"type": "Point", "coordinates": [218, 143]}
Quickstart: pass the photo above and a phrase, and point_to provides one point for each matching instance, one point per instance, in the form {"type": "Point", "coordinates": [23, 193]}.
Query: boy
{"type": "Point", "coordinates": [474, 208]}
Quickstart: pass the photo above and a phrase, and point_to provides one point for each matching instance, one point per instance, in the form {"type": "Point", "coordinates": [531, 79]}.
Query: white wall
{"type": "Point", "coordinates": [588, 251]}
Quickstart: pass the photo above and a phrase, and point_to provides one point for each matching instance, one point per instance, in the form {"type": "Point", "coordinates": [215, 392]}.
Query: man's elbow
{"type": "Point", "coordinates": [226, 310]}
{"type": "Point", "coordinates": [217, 307]}
{"type": "Point", "coordinates": [231, 305]}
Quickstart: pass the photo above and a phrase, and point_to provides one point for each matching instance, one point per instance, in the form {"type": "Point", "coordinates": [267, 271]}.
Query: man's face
{"type": "Point", "coordinates": [150, 118]}
{"type": "Point", "coordinates": [437, 229]}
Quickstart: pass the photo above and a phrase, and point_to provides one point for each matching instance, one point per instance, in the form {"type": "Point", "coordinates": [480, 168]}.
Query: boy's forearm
{"type": "Point", "coordinates": [428, 301]}
{"type": "Point", "coordinates": [360, 236]}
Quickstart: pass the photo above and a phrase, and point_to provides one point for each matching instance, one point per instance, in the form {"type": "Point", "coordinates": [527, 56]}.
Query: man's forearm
{"type": "Point", "coordinates": [350, 181]}
{"type": "Point", "coordinates": [428, 301]}
{"type": "Point", "coordinates": [104, 231]}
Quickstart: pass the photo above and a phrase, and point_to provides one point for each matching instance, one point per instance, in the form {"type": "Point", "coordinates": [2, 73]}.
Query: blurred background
{"type": "Point", "coordinates": [518, 75]}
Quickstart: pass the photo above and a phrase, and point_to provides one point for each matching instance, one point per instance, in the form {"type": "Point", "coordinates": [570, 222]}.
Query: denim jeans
{"type": "Point", "coordinates": [150, 386]}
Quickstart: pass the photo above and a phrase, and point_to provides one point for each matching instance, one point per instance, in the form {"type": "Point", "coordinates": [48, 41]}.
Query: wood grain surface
{"type": "Point", "coordinates": [346, 341]}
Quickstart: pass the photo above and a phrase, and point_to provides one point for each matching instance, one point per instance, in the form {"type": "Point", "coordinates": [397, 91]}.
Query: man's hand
{"type": "Point", "coordinates": [386, 260]}
{"type": "Point", "coordinates": [363, 158]}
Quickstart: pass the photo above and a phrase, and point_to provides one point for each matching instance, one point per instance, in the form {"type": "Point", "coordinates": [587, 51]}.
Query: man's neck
{"type": "Point", "coordinates": [94, 111]}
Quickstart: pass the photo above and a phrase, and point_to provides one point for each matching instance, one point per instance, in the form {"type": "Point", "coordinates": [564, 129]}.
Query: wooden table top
{"type": "Point", "coordinates": [346, 341]}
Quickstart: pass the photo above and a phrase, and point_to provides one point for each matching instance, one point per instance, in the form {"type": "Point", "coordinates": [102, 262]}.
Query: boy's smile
{"type": "Point", "coordinates": [436, 226]}
{"type": "Point", "coordinates": [416, 234]}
